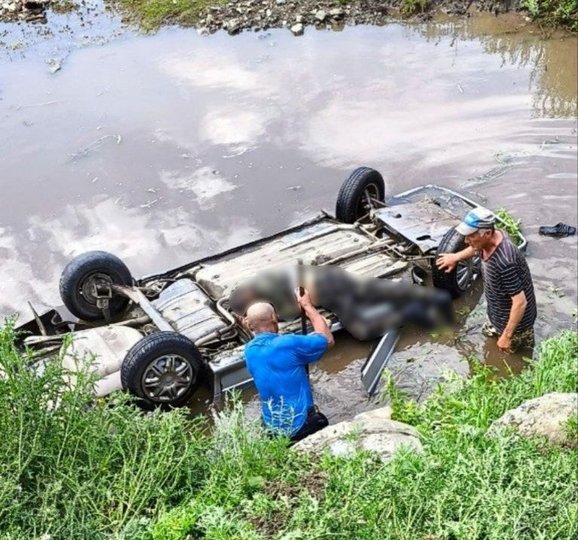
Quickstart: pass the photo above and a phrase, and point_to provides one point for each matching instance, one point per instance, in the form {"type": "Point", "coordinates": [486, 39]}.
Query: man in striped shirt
{"type": "Point", "coordinates": [507, 281]}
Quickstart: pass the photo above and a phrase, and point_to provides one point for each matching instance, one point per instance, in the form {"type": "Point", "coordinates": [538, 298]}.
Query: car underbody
{"type": "Point", "coordinates": [388, 238]}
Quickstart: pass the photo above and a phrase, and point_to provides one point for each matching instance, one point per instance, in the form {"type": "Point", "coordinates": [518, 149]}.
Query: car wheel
{"type": "Point", "coordinates": [83, 274]}
{"type": "Point", "coordinates": [461, 278]}
{"type": "Point", "coordinates": [162, 370]}
{"type": "Point", "coordinates": [357, 193]}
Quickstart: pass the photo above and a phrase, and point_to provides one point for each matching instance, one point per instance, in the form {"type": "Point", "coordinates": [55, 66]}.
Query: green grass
{"type": "Point", "coordinates": [563, 13]}
{"type": "Point", "coordinates": [572, 431]}
{"type": "Point", "coordinates": [152, 14]}
{"type": "Point", "coordinates": [68, 464]}
{"type": "Point", "coordinates": [510, 225]}
{"type": "Point", "coordinates": [71, 468]}
{"type": "Point", "coordinates": [413, 7]}
{"type": "Point", "coordinates": [466, 485]}
{"type": "Point", "coordinates": [63, 6]}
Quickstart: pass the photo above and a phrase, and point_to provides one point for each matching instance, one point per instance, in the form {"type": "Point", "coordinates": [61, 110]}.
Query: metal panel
{"type": "Point", "coordinates": [229, 371]}
{"type": "Point", "coordinates": [375, 265]}
{"type": "Point", "coordinates": [423, 223]}
{"type": "Point", "coordinates": [188, 310]}
{"type": "Point", "coordinates": [314, 244]}
{"type": "Point", "coordinates": [102, 348]}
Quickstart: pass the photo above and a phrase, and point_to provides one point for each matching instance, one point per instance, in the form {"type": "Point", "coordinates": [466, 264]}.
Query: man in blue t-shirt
{"type": "Point", "coordinates": [278, 365]}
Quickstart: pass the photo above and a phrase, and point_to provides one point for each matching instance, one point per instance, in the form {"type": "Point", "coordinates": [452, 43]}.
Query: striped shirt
{"type": "Point", "coordinates": [506, 273]}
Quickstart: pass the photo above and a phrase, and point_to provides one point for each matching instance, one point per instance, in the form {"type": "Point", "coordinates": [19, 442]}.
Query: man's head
{"type": "Point", "coordinates": [261, 317]}
{"type": "Point", "coordinates": [478, 228]}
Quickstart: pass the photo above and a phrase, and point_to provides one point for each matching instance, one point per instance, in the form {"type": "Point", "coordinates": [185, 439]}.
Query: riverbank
{"type": "Point", "coordinates": [235, 16]}
{"type": "Point", "coordinates": [239, 15]}
{"type": "Point", "coordinates": [110, 470]}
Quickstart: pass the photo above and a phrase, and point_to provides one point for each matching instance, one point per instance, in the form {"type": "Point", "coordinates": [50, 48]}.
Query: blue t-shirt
{"type": "Point", "coordinates": [277, 364]}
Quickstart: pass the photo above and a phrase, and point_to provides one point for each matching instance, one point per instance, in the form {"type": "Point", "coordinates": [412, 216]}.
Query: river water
{"type": "Point", "coordinates": [169, 147]}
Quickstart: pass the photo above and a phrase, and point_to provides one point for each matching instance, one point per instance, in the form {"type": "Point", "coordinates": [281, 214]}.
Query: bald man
{"type": "Point", "coordinates": [278, 364]}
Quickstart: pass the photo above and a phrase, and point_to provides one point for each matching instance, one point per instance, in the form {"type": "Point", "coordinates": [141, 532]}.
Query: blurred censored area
{"type": "Point", "coordinates": [367, 308]}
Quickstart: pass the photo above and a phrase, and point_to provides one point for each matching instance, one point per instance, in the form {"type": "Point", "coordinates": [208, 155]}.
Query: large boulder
{"type": "Point", "coordinates": [373, 431]}
{"type": "Point", "coordinates": [546, 416]}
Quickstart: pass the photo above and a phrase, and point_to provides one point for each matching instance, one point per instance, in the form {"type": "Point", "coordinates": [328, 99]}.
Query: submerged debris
{"type": "Point", "coordinates": [95, 145]}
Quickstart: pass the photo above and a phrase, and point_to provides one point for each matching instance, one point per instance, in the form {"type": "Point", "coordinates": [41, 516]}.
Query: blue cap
{"type": "Point", "coordinates": [476, 219]}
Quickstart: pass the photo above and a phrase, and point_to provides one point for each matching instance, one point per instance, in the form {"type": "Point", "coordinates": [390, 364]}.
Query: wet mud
{"type": "Point", "coordinates": [166, 148]}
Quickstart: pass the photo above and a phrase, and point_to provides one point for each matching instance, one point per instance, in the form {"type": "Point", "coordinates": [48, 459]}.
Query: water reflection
{"type": "Point", "coordinates": [550, 56]}
{"type": "Point", "coordinates": [167, 148]}
{"type": "Point", "coordinates": [205, 183]}
{"type": "Point", "coordinates": [31, 259]}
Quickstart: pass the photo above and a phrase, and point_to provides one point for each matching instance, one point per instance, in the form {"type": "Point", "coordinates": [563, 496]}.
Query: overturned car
{"type": "Point", "coordinates": [163, 336]}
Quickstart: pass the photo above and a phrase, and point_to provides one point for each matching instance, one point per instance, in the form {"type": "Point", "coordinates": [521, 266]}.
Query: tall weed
{"type": "Point", "coordinates": [72, 468]}
{"type": "Point", "coordinates": [562, 13]}
{"type": "Point", "coordinates": [69, 464]}
{"type": "Point", "coordinates": [465, 484]}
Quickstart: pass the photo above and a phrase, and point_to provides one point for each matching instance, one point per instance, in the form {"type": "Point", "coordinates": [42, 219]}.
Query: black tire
{"type": "Point", "coordinates": [173, 359]}
{"type": "Point", "coordinates": [78, 277]}
{"type": "Point", "coordinates": [461, 278]}
{"type": "Point", "coordinates": [351, 201]}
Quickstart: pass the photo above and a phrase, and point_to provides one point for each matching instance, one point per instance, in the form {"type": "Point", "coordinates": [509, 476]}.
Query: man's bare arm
{"type": "Point", "coordinates": [319, 324]}
{"type": "Point", "coordinates": [448, 261]}
{"type": "Point", "coordinates": [519, 303]}
{"type": "Point", "coordinates": [317, 320]}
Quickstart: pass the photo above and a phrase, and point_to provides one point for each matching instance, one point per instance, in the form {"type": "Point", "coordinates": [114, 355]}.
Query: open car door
{"type": "Point", "coordinates": [377, 360]}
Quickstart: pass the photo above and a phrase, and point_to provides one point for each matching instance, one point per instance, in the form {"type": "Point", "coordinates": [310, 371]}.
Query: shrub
{"type": "Point", "coordinates": [69, 464]}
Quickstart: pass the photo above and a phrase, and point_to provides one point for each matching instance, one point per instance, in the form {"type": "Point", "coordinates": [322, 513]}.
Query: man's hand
{"type": "Point", "coordinates": [304, 300]}
{"type": "Point", "coordinates": [448, 261]}
{"type": "Point", "coordinates": [319, 324]}
{"type": "Point", "coordinates": [505, 343]}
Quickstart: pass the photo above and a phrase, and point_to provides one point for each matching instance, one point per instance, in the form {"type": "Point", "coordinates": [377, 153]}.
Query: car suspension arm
{"type": "Point", "coordinates": [137, 296]}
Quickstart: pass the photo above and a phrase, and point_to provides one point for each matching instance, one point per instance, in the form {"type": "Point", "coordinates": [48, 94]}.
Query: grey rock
{"type": "Point", "coordinates": [54, 65]}
{"type": "Point", "coordinates": [372, 431]}
{"type": "Point", "coordinates": [233, 26]}
{"type": "Point", "coordinates": [297, 29]}
{"type": "Point", "coordinates": [337, 13]}
{"type": "Point", "coordinates": [280, 2]}
{"type": "Point", "coordinates": [545, 416]}
{"type": "Point", "coordinates": [320, 15]}
{"type": "Point", "coordinates": [34, 4]}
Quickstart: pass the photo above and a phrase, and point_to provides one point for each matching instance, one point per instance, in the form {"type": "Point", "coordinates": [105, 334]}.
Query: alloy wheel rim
{"type": "Point", "coordinates": [167, 378]}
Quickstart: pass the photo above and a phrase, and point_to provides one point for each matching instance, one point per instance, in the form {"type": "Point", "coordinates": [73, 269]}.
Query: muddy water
{"type": "Point", "coordinates": [169, 147]}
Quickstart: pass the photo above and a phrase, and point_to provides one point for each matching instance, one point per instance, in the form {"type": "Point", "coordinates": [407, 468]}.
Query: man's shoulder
{"type": "Point", "coordinates": [285, 340]}
{"type": "Point", "coordinates": [506, 254]}
{"type": "Point", "coordinates": [270, 340]}
{"type": "Point", "coordinates": [303, 338]}
{"type": "Point", "coordinates": [262, 338]}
